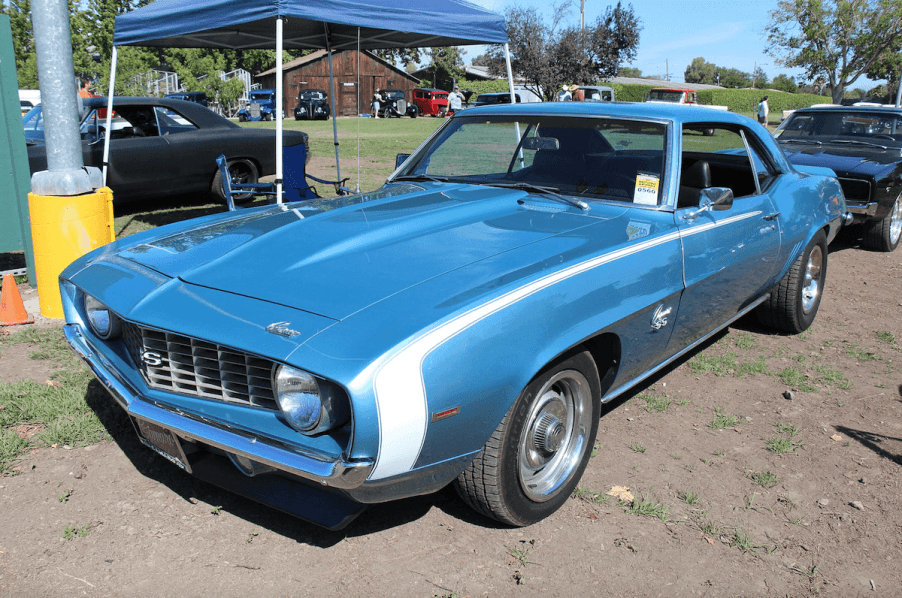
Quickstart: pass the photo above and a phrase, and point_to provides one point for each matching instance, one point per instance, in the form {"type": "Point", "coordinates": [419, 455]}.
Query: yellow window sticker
{"type": "Point", "coordinates": [646, 192]}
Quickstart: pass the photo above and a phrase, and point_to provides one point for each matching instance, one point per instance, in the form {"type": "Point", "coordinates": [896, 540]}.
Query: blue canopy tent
{"type": "Point", "coordinates": [307, 24]}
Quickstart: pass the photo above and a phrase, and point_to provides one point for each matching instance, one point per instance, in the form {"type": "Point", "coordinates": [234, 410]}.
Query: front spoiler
{"type": "Point", "coordinates": [338, 474]}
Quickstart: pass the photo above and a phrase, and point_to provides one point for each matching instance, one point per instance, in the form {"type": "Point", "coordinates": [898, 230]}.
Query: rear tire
{"type": "Point", "coordinates": [884, 235]}
{"type": "Point", "coordinates": [537, 454]}
{"type": "Point", "coordinates": [241, 171]}
{"type": "Point", "coordinates": [794, 302]}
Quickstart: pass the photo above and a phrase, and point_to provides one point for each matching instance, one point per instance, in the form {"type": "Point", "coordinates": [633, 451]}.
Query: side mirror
{"type": "Point", "coordinates": [400, 159]}
{"type": "Point", "coordinates": [715, 199]}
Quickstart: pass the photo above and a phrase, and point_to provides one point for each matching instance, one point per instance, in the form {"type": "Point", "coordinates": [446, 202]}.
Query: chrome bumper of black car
{"type": "Point", "coordinates": [340, 474]}
{"type": "Point", "coordinates": [865, 208]}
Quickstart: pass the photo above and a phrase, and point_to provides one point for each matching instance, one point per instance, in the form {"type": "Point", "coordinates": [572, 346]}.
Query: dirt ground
{"type": "Point", "coordinates": [734, 518]}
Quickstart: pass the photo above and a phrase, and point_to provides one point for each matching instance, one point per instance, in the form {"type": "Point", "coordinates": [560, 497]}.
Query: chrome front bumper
{"type": "Point", "coordinates": [862, 207]}
{"type": "Point", "coordinates": [344, 475]}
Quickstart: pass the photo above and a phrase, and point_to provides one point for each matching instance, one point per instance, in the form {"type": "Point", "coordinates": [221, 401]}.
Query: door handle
{"type": "Point", "coordinates": [773, 216]}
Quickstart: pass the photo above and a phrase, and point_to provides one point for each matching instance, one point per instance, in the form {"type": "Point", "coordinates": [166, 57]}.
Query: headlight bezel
{"type": "Point", "coordinates": [94, 315]}
{"type": "Point", "coordinates": [332, 411]}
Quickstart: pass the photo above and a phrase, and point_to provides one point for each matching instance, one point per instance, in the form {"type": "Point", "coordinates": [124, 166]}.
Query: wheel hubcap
{"type": "Point", "coordinates": [811, 288]}
{"type": "Point", "coordinates": [895, 224]}
{"type": "Point", "coordinates": [554, 438]}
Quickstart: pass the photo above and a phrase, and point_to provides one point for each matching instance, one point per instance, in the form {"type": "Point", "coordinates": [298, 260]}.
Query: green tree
{"type": "Point", "coordinates": [759, 78]}
{"type": "Point", "coordinates": [840, 40]}
{"type": "Point", "coordinates": [784, 83]}
{"type": "Point", "coordinates": [701, 71]}
{"type": "Point", "coordinates": [547, 56]}
{"type": "Point", "coordinates": [19, 12]}
{"type": "Point", "coordinates": [629, 71]}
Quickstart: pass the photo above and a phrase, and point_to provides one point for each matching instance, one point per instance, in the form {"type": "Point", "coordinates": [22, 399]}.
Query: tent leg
{"type": "Point", "coordinates": [109, 115]}
{"type": "Point", "coordinates": [278, 107]}
{"type": "Point", "coordinates": [332, 97]}
{"type": "Point", "coordinates": [510, 83]}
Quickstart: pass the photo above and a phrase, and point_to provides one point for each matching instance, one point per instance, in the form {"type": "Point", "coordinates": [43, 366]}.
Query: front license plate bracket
{"type": "Point", "coordinates": [162, 441]}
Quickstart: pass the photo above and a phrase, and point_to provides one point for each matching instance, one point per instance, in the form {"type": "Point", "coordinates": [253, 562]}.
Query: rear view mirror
{"type": "Point", "coordinates": [400, 159]}
{"type": "Point", "coordinates": [541, 143]}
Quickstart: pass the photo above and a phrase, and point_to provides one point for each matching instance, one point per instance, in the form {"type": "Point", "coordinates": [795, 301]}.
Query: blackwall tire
{"type": "Point", "coordinates": [883, 235]}
{"type": "Point", "coordinates": [241, 171]}
{"type": "Point", "coordinates": [537, 454]}
{"type": "Point", "coordinates": [794, 302]}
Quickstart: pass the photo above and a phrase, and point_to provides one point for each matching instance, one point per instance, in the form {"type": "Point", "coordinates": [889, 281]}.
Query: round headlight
{"type": "Point", "coordinates": [104, 322]}
{"type": "Point", "coordinates": [298, 395]}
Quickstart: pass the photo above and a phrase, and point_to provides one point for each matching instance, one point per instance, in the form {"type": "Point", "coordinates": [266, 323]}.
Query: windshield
{"type": "Point", "coordinates": [665, 96]}
{"type": "Point", "coordinates": [882, 128]}
{"type": "Point", "coordinates": [313, 94]}
{"type": "Point", "coordinates": [262, 97]}
{"type": "Point", "coordinates": [586, 157]}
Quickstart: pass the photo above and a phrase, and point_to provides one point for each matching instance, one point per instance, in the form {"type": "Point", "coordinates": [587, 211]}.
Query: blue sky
{"type": "Point", "coordinates": [729, 33]}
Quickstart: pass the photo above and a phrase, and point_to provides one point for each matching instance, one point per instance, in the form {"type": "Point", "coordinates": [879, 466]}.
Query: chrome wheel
{"type": "Point", "coordinates": [554, 439]}
{"type": "Point", "coordinates": [811, 287]}
{"type": "Point", "coordinates": [895, 223]}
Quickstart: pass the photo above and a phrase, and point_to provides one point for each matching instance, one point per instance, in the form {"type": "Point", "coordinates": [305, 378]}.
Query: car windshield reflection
{"type": "Point", "coordinates": [882, 129]}
{"type": "Point", "coordinates": [591, 158]}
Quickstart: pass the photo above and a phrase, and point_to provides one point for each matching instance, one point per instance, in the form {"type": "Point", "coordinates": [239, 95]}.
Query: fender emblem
{"type": "Point", "coordinates": [152, 359]}
{"type": "Point", "coordinates": [659, 319]}
{"type": "Point", "coordinates": [282, 329]}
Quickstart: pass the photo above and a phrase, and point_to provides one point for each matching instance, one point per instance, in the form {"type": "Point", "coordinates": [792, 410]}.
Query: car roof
{"type": "Point", "coordinates": [676, 114]}
{"type": "Point", "coordinates": [196, 113]}
{"type": "Point", "coordinates": [873, 109]}
{"type": "Point", "coordinates": [671, 89]}
{"type": "Point", "coordinates": [430, 89]}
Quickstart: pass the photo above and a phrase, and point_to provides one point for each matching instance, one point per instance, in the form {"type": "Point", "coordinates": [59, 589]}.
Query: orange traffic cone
{"type": "Point", "coordinates": [12, 310]}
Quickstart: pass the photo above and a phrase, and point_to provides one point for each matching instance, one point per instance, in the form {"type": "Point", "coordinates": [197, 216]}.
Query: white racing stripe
{"type": "Point", "coordinates": [399, 389]}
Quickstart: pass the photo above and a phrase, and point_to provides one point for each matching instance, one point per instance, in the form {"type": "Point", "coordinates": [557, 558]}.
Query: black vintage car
{"type": "Point", "coordinates": [162, 147]}
{"type": "Point", "coordinates": [863, 146]}
{"type": "Point", "coordinates": [313, 104]}
{"type": "Point", "coordinates": [395, 104]}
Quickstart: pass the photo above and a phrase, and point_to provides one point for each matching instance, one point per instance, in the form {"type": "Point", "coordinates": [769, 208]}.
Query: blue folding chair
{"type": "Point", "coordinates": [294, 185]}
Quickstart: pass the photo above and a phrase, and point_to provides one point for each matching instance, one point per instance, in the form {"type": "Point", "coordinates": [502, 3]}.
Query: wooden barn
{"type": "Point", "coordinates": [312, 72]}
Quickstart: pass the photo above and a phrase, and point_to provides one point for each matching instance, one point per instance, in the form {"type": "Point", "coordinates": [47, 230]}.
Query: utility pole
{"type": "Point", "coordinates": [582, 15]}
{"type": "Point", "coordinates": [666, 70]}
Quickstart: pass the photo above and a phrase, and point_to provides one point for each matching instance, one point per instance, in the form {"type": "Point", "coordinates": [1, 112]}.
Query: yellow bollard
{"type": "Point", "coordinates": [62, 230]}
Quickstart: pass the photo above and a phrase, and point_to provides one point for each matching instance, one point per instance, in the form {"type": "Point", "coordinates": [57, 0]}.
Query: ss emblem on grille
{"type": "Point", "coordinates": [152, 359]}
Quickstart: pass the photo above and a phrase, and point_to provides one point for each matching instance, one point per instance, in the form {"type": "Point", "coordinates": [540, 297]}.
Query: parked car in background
{"type": "Point", "coordinates": [464, 323]}
{"type": "Point", "coordinates": [597, 93]}
{"type": "Point", "coordinates": [28, 99]}
{"type": "Point", "coordinates": [394, 104]}
{"type": "Point", "coordinates": [672, 96]}
{"type": "Point", "coordinates": [25, 105]}
{"type": "Point", "coordinates": [198, 97]}
{"type": "Point", "coordinates": [431, 102]}
{"type": "Point", "coordinates": [491, 99]}
{"type": "Point", "coordinates": [863, 145]}
{"type": "Point", "coordinates": [161, 147]}
{"type": "Point", "coordinates": [261, 106]}
{"type": "Point", "coordinates": [313, 104]}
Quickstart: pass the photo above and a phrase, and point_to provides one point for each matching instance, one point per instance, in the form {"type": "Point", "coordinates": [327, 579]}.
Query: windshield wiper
{"type": "Point", "coordinates": [811, 141]}
{"type": "Point", "coordinates": [421, 177]}
{"type": "Point", "coordinates": [550, 191]}
{"type": "Point", "coordinates": [857, 142]}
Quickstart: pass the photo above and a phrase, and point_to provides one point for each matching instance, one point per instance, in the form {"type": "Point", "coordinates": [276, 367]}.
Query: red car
{"type": "Point", "coordinates": [431, 102]}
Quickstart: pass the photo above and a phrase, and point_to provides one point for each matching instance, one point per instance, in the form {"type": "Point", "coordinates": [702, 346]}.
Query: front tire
{"type": "Point", "coordinates": [884, 234]}
{"type": "Point", "coordinates": [537, 454]}
{"type": "Point", "coordinates": [242, 118]}
{"type": "Point", "coordinates": [794, 302]}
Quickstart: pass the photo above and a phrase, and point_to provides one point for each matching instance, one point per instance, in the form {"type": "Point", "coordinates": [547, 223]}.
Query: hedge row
{"type": "Point", "coordinates": [737, 100]}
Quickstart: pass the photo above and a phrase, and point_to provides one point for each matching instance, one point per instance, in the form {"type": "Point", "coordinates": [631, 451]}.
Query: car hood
{"type": "Point", "coordinates": [843, 159]}
{"type": "Point", "coordinates": [336, 257]}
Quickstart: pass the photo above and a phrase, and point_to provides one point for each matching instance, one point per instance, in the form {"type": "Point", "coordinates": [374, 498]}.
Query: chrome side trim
{"type": "Point", "coordinates": [321, 469]}
{"type": "Point", "coordinates": [620, 389]}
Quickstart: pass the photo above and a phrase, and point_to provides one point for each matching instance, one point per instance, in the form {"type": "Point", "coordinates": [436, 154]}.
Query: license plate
{"type": "Point", "coordinates": [163, 442]}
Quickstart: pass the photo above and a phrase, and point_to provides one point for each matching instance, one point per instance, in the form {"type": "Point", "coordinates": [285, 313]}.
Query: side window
{"type": "Point", "coordinates": [720, 157]}
{"type": "Point", "coordinates": [170, 122]}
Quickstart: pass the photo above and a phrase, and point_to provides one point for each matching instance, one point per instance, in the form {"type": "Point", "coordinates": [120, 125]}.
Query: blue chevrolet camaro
{"type": "Point", "coordinates": [463, 323]}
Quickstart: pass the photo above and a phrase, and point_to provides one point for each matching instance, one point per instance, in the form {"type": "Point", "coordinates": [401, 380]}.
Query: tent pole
{"type": "Point", "coordinates": [109, 115]}
{"type": "Point", "coordinates": [278, 111]}
{"type": "Point", "coordinates": [332, 97]}
{"type": "Point", "coordinates": [510, 83]}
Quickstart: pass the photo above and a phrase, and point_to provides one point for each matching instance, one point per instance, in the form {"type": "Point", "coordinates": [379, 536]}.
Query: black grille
{"type": "Point", "coordinates": [856, 189]}
{"type": "Point", "coordinates": [190, 366]}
